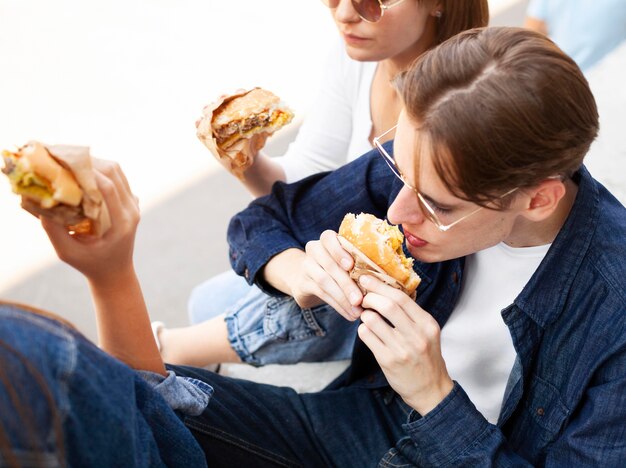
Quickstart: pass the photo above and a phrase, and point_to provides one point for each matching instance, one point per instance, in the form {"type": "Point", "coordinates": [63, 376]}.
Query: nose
{"type": "Point", "coordinates": [405, 209]}
{"type": "Point", "coordinates": [345, 12]}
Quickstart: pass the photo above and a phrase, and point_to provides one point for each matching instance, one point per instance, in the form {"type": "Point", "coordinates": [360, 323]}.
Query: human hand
{"type": "Point", "coordinates": [102, 259]}
{"type": "Point", "coordinates": [325, 278]}
{"type": "Point", "coordinates": [405, 340]}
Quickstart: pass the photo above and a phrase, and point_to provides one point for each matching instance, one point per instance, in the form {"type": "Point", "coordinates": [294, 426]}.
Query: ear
{"type": "Point", "coordinates": [544, 199]}
{"type": "Point", "coordinates": [437, 9]}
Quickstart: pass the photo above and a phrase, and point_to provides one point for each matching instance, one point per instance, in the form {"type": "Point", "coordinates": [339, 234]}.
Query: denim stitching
{"type": "Point", "coordinates": [309, 318]}
{"type": "Point", "coordinates": [312, 327]}
{"type": "Point", "coordinates": [394, 452]}
{"type": "Point", "coordinates": [240, 443]}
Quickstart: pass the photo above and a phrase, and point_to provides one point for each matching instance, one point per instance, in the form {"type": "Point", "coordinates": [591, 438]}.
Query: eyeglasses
{"type": "Point", "coordinates": [429, 211]}
{"type": "Point", "coordinates": [369, 10]}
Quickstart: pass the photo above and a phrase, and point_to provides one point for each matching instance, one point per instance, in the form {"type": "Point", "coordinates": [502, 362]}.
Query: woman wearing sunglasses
{"type": "Point", "coordinates": [356, 102]}
{"type": "Point", "coordinates": [513, 352]}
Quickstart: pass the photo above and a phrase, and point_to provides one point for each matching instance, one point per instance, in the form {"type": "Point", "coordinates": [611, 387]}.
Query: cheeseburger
{"type": "Point", "coordinates": [235, 127]}
{"type": "Point", "coordinates": [376, 247]}
{"type": "Point", "coordinates": [58, 182]}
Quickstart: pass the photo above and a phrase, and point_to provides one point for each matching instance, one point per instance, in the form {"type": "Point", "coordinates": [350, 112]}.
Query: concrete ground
{"type": "Point", "coordinates": [181, 239]}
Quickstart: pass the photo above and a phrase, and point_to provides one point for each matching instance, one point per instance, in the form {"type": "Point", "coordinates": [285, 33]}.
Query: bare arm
{"type": "Point", "coordinates": [260, 177]}
{"type": "Point", "coordinates": [123, 323]}
{"type": "Point", "coordinates": [536, 25]}
{"type": "Point", "coordinates": [107, 262]}
{"type": "Point", "coordinates": [319, 275]}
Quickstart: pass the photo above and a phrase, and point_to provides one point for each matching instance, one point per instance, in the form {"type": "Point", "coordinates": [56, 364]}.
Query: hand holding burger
{"type": "Point", "coordinates": [235, 127]}
{"type": "Point", "coordinates": [58, 182]}
{"type": "Point", "coordinates": [376, 247]}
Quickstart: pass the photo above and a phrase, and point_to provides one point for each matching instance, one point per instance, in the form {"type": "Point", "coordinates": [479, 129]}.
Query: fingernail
{"type": "Point", "coordinates": [346, 264]}
{"type": "Point", "coordinates": [356, 311]}
{"type": "Point", "coordinates": [364, 280]}
{"type": "Point", "coordinates": [355, 298]}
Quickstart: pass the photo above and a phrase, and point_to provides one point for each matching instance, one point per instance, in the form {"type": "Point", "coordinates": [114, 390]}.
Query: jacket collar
{"type": "Point", "coordinates": [543, 298]}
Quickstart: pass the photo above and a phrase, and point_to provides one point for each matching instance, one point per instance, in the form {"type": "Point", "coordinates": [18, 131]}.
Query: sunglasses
{"type": "Point", "coordinates": [369, 10]}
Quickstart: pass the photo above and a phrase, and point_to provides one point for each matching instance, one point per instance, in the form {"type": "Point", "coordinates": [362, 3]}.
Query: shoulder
{"type": "Point", "coordinates": [599, 290]}
{"type": "Point", "coordinates": [607, 251]}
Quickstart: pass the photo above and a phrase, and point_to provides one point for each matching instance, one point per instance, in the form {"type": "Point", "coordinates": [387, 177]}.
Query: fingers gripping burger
{"type": "Point", "coordinates": [235, 127]}
{"type": "Point", "coordinates": [376, 247]}
{"type": "Point", "coordinates": [58, 182]}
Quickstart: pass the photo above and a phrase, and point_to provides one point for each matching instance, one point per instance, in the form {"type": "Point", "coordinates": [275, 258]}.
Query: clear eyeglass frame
{"type": "Point", "coordinates": [428, 210]}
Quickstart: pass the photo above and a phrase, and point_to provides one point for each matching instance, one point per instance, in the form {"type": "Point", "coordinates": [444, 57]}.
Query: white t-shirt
{"type": "Point", "coordinates": [337, 128]}
{"type": "Point", "coordinates": [475, 342]}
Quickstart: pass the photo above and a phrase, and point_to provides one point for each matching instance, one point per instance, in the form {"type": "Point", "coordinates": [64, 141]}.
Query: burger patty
{"type": "Point", "coordinates": [241, 127]}
{"type": "Point", "coordinates": [9, 165]}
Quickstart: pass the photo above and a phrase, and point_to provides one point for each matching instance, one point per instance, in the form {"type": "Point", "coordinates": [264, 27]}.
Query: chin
{"type": "Point", "coordinates": [428, 255]}
{"type": "Point", "coordinates": [361, 55]}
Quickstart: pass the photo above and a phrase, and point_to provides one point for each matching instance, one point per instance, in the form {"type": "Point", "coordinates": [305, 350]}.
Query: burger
{"type": "Point", "coordinates": [58, 182]}
{"type": "Point", "coordinates": [235, 127]}
{"type": "Point", "coordinates": [376, 247]}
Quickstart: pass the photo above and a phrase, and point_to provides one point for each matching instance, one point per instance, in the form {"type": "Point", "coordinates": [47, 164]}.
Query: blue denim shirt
{"type": "Point", "coordinates": [64, 402]}
{"type": "Point", "coordinates": [565, 402]}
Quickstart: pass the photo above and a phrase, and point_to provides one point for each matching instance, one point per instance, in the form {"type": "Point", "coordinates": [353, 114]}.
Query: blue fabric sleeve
{"type": "Point", "coordinates": [294, 214]}
{"type": "Point", "coordinates": [537, 9]}
{"type": "Point", "coordinates": [188, 396]}
{"type": "Point", "coordinates": [456, 434]}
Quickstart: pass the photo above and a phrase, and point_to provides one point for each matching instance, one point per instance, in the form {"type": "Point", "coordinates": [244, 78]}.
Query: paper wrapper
{"type": "Point", "coordinates": [237, 157]}
{"type": "Point", "coordinates": [364, 266]}
{"type": "Point", "coordinates": [78, 161]}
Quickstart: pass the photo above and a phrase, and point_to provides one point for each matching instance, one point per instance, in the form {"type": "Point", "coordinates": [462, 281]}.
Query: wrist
{"type": "Point", "coordinates": [281, 272]}
{"type": "Point", "coordinates": [426, 402]}
{"type": "Point", "coordinates": [113, 282]}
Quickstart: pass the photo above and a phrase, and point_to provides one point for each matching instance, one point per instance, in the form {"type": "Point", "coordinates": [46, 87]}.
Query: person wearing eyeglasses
{"type": "Point", "coordinates": [356, 102]}
{"type": "Point", "coordinates": [513, 352]}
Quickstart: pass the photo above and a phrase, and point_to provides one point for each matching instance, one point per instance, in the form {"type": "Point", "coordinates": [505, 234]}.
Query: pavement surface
{"type": "Point", "coordinates": [188, 200]}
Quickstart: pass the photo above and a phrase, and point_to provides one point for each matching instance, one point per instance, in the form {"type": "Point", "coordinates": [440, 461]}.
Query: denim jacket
{"type": "Point", "coordinates": [565, 402]}
{"type": "Point", "coordinates": [64, 402]}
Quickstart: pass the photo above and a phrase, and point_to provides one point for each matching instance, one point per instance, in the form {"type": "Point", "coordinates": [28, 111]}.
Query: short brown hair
{"type": "Point", "coordinates": [461, 15]}
{"type": "Point", "coordinates": [501, 108]}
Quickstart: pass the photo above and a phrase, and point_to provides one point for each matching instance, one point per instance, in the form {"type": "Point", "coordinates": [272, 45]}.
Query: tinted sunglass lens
{"type": "Point", "coordinates": [369, 10]}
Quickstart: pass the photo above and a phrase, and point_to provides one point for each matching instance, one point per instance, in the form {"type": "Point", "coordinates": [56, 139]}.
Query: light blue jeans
{"type": "Point", "coordinates": [272, 330]}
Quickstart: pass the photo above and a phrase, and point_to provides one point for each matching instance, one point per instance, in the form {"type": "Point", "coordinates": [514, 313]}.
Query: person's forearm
{"type": "Point", "coordinates": [282, 268]}
{"type": "Point", "coordinates": [260, 177]}
{"type": "Point", "coordinates": [124, 329]}
{"type": "Point", "coordinates": [536, 25]}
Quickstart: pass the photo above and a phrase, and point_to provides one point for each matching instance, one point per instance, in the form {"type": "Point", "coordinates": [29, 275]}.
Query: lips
{"type": "Point", "coordinates": [413, 240]}
{"type": "Point", "coordinates": [353, 38]}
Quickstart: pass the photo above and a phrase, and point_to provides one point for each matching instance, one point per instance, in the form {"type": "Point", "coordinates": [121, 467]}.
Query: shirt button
{"type": "Point", "coordinates": [371, 378]}
{"type": "Point", "coordinates": [540, 411]}
{"type": "Point", "coordinates": [246, 273]}
{"type": "Point", "coordinates": [455, 277]}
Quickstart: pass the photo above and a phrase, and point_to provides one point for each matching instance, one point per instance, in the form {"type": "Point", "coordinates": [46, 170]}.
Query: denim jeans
{"type": "Point", "coordinates": [215, 296]}
{"type": "Point", "coordinates": [272, 330]}
{"type": "Point", "coordinates": [251, 424]}
{"type": "Point", "coordinates": [64, 402]}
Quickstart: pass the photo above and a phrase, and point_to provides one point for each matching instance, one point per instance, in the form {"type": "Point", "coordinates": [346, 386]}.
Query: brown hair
{"type": "Point", "coordinates": [500, 108]}
{"type": "Point", "coordinates": [461, 15]}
